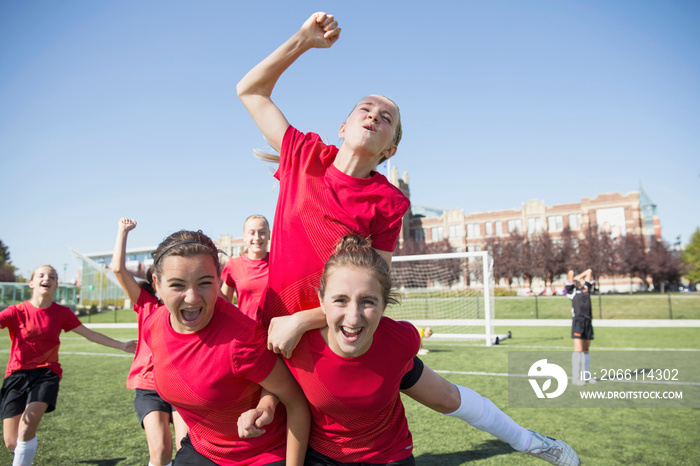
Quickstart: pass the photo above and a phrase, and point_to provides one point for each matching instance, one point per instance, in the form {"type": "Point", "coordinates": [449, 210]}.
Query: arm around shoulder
{"type": "Point", "coordinates": [282, 384]}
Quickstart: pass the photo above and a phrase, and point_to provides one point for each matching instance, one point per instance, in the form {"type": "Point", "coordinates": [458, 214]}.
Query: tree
{"type": "Point", "coordinates": [632, 258]}
{"type": "Point", "coordinates": [691, 258]}
{"type": "Point", "coordinates": [7, 270]}
{"type": "Point", "coordinates": [664, 265]}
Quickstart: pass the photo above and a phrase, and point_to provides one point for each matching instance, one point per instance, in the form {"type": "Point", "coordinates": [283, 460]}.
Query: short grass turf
{"type": "Point", "coordinates": [95, 424]}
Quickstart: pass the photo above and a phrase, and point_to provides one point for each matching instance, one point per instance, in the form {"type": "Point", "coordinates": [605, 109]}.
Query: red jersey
{"type": "Point", "coordinates": [317, 206]}
{"type": "Point", "coordinates": [249, 278]}
{"type": "Point", "coordinates": [211, 377]}
{"type": "Point", "coordinates": [141, 372]}
{"type": "Point", "coordinates": [34, 333]}
{"type": "Point", "coordinates": [357, 414]}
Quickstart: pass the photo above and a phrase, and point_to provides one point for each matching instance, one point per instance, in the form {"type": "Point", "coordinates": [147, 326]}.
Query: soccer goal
{"type": "Point", "coordinates": [451, 293]}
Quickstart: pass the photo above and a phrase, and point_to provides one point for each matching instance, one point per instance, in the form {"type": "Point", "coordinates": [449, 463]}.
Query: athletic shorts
{"type": "Point", "coordinates": [27, 386]}
{"type": "Point", "coordinates": [411, 377]}
{"type": "Point", "coordinates": [582, 328]}
{"type": "Point", "coordinates": [188, 456]}
{"type": "Point", "coordinates": [314, 458]}
{"type": "Point", "coordinates": [146, 401]}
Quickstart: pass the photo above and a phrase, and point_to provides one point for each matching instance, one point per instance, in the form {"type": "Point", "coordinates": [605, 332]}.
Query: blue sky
{"type": "Point", "coordinates": [126, 108]}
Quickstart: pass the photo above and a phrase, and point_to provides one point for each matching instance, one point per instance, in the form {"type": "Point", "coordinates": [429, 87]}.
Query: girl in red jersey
{"type": "Point", "coordinates": [154, 413]}
{"type": "Point", "coordinates": [210, 362]}
{"type": "Point", "coordinates": [351, 369]}
{"type": "Point", "coordinates": [30, 388]}
{"type": "Point", "coordinates": [327, 193]}
{"type": "Point", "coordinates": [246, 275]}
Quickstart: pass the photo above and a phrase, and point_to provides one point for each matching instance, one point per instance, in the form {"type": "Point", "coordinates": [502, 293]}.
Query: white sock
{"type": "Point", "coordinates": [481, 413]}
{"type": "Point", "coordinates": [576, 366]}
{"type": "Point", "coordinates": [151, 464]}
{"type": "Point", "coordinates": [25, 452]}
{"type": "Point", "coordinates": [587, 361]}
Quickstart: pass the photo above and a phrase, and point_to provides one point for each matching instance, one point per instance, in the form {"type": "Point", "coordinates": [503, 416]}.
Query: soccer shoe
{"type": "Point", "coordinates": [552, 450]}
{"type": "Point", "coordinates": [423, 351]}
{"type": "Point", "coordinates": [592, 380]}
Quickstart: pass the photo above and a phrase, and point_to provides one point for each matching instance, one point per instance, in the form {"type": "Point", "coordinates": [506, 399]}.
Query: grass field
{"type": "Point", "coordinates": [95, 423]}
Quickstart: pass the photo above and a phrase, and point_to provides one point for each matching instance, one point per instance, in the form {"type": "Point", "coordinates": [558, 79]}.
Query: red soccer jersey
{"type": "Point", "coordinates": [211, 377]}
{"type": "Point", "coordinates": [141, 372]}
{"type": "Point", "coordinates": [34, 333]}
{"type": "Point", "coordinates": [317, 206]}
{"type": "Point", "coordinates": [355, 403]}
{"type": "Point", "coordinates": [249, 278]}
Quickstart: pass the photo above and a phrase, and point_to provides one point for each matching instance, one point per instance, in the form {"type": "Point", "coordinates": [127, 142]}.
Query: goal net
{"type": "Point", "coordinates": [451, 293]}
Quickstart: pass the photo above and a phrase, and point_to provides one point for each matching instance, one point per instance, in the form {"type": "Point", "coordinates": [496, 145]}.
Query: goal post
{"type": "Point", "coordinates": [451, 292]}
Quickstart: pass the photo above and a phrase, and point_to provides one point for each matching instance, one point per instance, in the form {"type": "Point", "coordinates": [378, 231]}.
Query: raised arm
{"type": "Point", "coordinates": [128, 282]}
{"type": "Point", "coordinates": [255, 89]}
{"type": "Point", "coordinates": [586, 275]}
{"type": "Point", "coordinates": [104, 340]}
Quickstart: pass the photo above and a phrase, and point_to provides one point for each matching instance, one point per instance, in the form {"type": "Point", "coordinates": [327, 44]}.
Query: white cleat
{"type": "Point", "coordinates": [552, 450]}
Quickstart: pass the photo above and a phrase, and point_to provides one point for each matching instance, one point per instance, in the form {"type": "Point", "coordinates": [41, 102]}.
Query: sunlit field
{"type": "Point", "coordinates": [95, 423]}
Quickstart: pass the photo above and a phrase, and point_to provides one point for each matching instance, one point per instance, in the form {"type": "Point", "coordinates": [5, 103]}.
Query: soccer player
{"type": "Point", "coordinates": [211, 361]}
{"type": "Point", "coordinates": [30, 388]}
{"type": "Point", "coordinates": [154, 413]}
{"type": "Point", "coordinates": [578, 290]}
{"type": "Point", "coordinates": [246, 275]}
{"type": "Point", "coordinates": [328, 192]}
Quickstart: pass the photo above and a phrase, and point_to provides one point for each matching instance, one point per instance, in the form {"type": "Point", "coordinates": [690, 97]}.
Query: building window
{"type": "Point", "coordinates": [473, 230]}
{"type": "Point", "coordinates": [437, 234]}
{"type": "Point", "coordinates": [515, 226]}
{"type": "Point", "coordinates": [455, 232]}
{"type": "Point", "coordinates": [556, 222]}
{"type": "Point", "coordinates": [419, 235]}
{"type": "Point", "coordinates": [575, 221]}
{"type": "Point", "coordinates": [489, 228]}
{"type": "Point", "coordinates": [499, 228]}
{"type": "Point", "coordinates": [534, 224]}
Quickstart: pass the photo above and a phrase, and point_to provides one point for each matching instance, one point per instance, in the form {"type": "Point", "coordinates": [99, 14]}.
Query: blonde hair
{"type": "Point", "coordinates": [259, 217]}
{"type": "Point", "coordinates": [45, 265]}
{"type": "Point", "coordinates": [356, 251]}
{"type": "Point", "coordinates": [275, 158]}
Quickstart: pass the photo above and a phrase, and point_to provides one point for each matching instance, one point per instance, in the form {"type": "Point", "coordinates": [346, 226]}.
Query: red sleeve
{"type": "Point", "coordinates": [252, 360]}
{"type": "Point", "coordinates": [297, 149]}
{"type": "Point", "coordinates": [226, 275]}
{"type": "Point", "coordinates": [70, 321]}
{"type": "Point", "coordinates": [386, 231]}
{"type": "Point", "coordinates": [7, 315]}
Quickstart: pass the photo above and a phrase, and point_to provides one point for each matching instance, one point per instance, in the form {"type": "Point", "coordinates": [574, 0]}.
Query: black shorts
{"type": "Point", "coordinates": [27, 386]}
{"type": "Point", "coordinates": [411, 377]}
{"type": "Point", "coordinates": [582, 328]}
{"type": "Point", "coordinates": [188, 456]}
{"type": "Point", "coordinates": [146, 401]}
{"type": "Point", "coordinates": [314, 458]}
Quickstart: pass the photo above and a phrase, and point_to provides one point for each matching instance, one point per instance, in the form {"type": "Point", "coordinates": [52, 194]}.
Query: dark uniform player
{"type": "Point", "coordinates": [578, 289]}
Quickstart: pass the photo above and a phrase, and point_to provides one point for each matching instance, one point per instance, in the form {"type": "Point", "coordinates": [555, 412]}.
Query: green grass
{"type": "Point", "coordinates": [95, 423]}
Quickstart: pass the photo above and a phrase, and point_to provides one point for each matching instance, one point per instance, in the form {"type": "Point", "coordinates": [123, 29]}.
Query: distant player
{"type": "Point", "coordinates": [246, 275]}
{"type": "Point", "coordinates": [578, 290]}
{"type": "Point", "coordinates": [30, 388]}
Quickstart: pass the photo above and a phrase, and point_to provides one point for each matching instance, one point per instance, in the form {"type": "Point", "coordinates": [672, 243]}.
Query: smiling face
{"type": "Point", "coordinates": [44, 281]}
{"type": "Point", "coordinates": [256, 235]}
{"type": "Point", "coordinates": [353, 306]}
{"type": "Point", "coordinates": [188, 286]}
{"type": "Point", "coordinates": [372, 126]}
